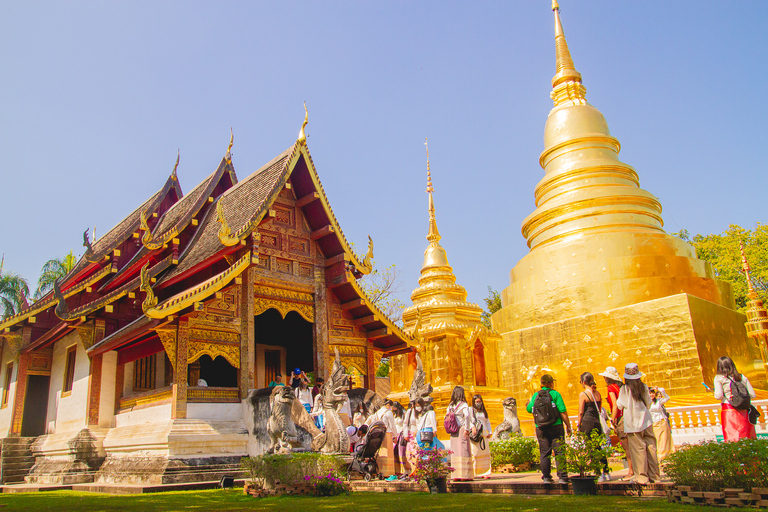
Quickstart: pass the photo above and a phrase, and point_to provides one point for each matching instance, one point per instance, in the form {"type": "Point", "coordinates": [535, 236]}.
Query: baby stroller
{"type": "Point", "coordinates": [364, 458]}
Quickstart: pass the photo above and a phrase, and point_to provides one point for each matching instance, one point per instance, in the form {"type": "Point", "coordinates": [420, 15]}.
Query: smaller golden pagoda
{"type": "Point", "coordinates": [757, 316]}
{"type": "Point", "coordinates": [455, 347]}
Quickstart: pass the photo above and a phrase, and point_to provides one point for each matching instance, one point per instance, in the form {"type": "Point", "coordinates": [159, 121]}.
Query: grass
{"type": "Point", "coordinates": [234, 499]}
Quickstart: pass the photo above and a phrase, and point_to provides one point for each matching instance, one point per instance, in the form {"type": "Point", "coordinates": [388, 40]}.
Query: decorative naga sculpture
{"type": "Point", "coordinates": [510, 425]}
{"type": "Point", "coordinates": [420, 388]}
{"type": "Point", "coordinates": [335, 439]}
{"type": "Point", "coordinates": [280, 426]}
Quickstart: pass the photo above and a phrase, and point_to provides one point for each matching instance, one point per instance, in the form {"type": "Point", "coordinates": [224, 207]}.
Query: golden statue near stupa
{"type": "Point", "coordinates": [603, 283]}
{"type": "Point", "coordinates": [455, 348]}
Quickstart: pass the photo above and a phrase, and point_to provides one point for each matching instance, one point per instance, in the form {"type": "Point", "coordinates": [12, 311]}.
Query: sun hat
{"type": "Point", "coordinates": [611, 373]}
{"type": "Point", "coordinates": [632, 371]}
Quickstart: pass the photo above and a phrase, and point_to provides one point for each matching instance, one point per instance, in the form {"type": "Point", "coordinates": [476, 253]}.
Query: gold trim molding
{"type": "Point", "coordinates": [230, 352]}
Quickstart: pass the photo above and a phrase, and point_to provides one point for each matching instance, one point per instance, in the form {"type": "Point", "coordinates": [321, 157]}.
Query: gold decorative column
{"type": "Point", "coordinates": [247, 335]}
{"type": "Point", "coordinates": [179, 408]}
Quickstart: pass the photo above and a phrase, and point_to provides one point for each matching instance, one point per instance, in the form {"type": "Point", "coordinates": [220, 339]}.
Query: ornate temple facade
{"type": "Point", "coordinates": [603, 283]}
{"type": "Point", "coordinates": [148, 347]}
{"type": "Point", "coordinates": [456, 349]}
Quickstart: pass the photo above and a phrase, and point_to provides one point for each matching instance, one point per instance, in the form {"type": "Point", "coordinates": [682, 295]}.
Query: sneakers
{"type": "Point", "coordinates": [547, 480]}
{"type": "Point", "coordinates": [605, 477]}
{"type": "Point", "coordinates": [391, 478]}
{"type": "Point", "coordinates": [563, 481]}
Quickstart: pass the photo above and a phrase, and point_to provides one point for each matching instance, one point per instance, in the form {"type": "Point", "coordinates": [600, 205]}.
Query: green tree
{"type": "Point", "coordinates": [492, 305]}
{"type": "Point", "coordinates": [52, 271]}
{"type": "Point", "coordinates": [13, 292]}
{"type": "Point", "coordinates": [382, 288]}
{"type": "Point", "coordinates": [722, 251]}
{"type": "Point", "coordinates": [383, 369]}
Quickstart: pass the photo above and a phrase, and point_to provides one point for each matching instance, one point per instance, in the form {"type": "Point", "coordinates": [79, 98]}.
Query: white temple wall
{"type": "Point", "coordinates": [6, 413]}
{"type": "Point", "coordinates": [155, 413]}
{"type": "Point", "coordinates": [219, 412]}
{"type": "Point", "coordinates": [108, 383]}
{"type": "Point", "coordinates": [67, 411]}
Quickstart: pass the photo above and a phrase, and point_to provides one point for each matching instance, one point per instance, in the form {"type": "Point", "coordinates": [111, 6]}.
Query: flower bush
{"type": "Point", "coordinates": [517, 450]}
{"type": "Point", "coordinates": [432, 464]}
{"type": "Point", "coordinates": [713, 466]}
{"type": "Point", "coordinates": [326, 485]}
{"type": "Point", "coordinates": [265, 470]}
{"type": "Point", "coordinates": [584, 454]}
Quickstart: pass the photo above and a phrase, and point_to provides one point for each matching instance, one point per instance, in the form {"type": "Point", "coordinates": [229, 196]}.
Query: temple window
{"type": "Point", "coordinates": [215, 372]}
{"type": "Point", "coordinates": [69, 370]}
{"type": "Point", "coordinates": [7, 385]}
{"type": "Point", "coordinates": [144, 371]}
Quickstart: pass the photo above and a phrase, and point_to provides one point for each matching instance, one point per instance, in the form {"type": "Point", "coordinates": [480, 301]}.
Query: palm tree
{"type": "Point", "coordinates": [53, 271]}
{"type": "Point", "coordinates": [13, 293]}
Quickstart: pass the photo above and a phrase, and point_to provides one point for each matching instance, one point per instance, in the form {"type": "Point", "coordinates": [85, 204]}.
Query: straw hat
{"type": "Point", "coordinates": [611, 373]}
{"type": "Point", "coordinates": [632, 371]}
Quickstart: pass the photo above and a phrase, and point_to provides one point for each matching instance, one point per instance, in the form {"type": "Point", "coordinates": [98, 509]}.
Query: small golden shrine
{"type": "Point", "coordinates": [757, 316]}
{"type": "Point", "coordinates": [603, 283]}
{"type": "Point", "coordinates": [455, 347]}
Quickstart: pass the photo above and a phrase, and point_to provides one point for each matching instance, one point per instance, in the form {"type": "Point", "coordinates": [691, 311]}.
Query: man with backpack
{"type": "Point", "coordinates": [549, 415]}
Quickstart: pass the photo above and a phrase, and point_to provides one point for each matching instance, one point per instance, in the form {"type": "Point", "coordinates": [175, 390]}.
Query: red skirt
{"type": "Point", "coordinates": [736, 424]}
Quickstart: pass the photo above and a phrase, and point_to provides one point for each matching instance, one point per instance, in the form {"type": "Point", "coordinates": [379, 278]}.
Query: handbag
{"type": "Point", "coordinates": [426, 436]}
{"type": "Point", "coordinates": [753, 414]}
{"type": "Point", "coordinates": [601, 415]}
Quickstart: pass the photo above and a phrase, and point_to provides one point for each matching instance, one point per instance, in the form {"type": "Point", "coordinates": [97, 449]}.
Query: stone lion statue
{"type": "Point", "coordinates": [280, 426]}
{"type": "Point", "coordinates": [511, 423]}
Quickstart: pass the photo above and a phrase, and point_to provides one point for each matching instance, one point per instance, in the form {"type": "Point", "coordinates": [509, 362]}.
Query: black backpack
{"type": "Point", "coordinates": [740, 399]}
{"type": "Point", "coordinates": [545, 411]}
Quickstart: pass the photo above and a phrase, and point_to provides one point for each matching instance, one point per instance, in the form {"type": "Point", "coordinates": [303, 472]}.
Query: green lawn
{"type": "Point", "coordinates": [210, 501]}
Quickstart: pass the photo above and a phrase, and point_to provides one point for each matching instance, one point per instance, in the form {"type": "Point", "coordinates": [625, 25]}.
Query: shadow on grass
{"type": "Point", "coordinates": [234, 499]}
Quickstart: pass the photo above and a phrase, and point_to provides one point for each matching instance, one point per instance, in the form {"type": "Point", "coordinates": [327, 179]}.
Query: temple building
{"type": "Point", "coordinates": [135, 369]}
{"type": "Point", "coordinates": [603, 283]}
{"type": "Point", "coordinates": [453, 344]}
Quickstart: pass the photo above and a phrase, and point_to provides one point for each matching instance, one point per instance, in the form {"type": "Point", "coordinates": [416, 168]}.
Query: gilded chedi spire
{"type": "Point", "coordinates": [440, 301]}
{"type": "Point", "coordinates": [757, 316]}
{"type": "Point", "coordinates": [592, 222]}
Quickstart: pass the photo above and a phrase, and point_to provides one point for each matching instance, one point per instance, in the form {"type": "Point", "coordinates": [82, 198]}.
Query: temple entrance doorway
{"type": "Point", "coordinates": [216, 372]}
{"type": "Point", "coordinates": [35, 406]}
{"type": "Point", "coordinates": [282, 345]}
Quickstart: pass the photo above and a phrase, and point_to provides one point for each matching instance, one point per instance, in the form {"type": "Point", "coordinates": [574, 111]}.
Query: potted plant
{"type": "Point", "coordinates": [584, 455]}
{"type": "Point", "coordinates": [432, 467]}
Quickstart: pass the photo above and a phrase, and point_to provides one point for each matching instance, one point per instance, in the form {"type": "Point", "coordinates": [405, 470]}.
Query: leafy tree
{"type": "Point", "coordinates": [492, 305]}
{"type": "Point", "coordinates": [13, 292]}
{"type": "Point", "coordinates": [722, 251]}
{"type": "Point", "coordinates": [382, 288]}
{"type": "Point", "coordinates": [52, 271]}
{"type": "Point", "coordinates": [383, 369]}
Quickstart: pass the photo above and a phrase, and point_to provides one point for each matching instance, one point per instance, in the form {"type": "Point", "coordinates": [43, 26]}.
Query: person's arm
{"type": "Point", "coordinates": [622, 400]}
{"type": "Point", "coordinates": [582, 402]}
{"type": "Point", "coordinates": [750, 389]}
{"type": "Point", "coordinates": [529, 407]}
{"type": "Point", "coordinates": [614, 407]}
{"type": "Point", "coordinates": [664, 398]}
{"type": "Point", "coordinates": [719, 392]}
{"type": "Point", "coordinates": [558, 399]}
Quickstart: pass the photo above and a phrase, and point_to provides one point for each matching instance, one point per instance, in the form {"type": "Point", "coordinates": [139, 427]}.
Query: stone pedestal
{"type": "Point", "coordinates": [67, 458]}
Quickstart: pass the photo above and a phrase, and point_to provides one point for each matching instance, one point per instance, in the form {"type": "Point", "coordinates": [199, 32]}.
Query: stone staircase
{"type": "Point", "coordinates": [16, 459]}
{"type": "Point", "coordinates": [162, 471]}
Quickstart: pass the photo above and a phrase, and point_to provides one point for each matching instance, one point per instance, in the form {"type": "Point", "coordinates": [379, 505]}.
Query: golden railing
{"type": "Point", "coordinates": [145, 399]}
{"type": "Point", "coordinates": [202, 394]}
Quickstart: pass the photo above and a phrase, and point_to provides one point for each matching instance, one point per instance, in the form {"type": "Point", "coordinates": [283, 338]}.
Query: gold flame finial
{"type": "Point", "coordinates": [751, 293]}
{"type": "Point", "coordinates": [303, 136]}
{"type": "Point", "coordinates": [434, 234]}
{"type": "Point", "coordinates": [566, 83]}
{"type": "Point", "coordinates": [174, 176]}
{"type": "Point", "coordinates": [228, 156]}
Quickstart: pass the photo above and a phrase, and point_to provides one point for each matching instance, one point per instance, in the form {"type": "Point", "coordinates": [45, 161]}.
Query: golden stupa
{"type": "Point", "coordinates": [603, 283]}
{"type": "Point", "coordinates": [757, 316]}
{"type": "Point", "coordinates": [454, 346]}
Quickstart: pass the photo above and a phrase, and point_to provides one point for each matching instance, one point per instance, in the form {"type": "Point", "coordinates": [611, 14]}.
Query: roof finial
{"type": "Point", "coordinates": [302, 136]}
{"type": "Point", "coordinates": [566, 74]}
{"type": "Point", "coordinates": [745, 267]}
{"type": "Point", "coordinates": [434, 235]}
{"type": "Point", "coordinates": [228, 156]}
{"type": "Point", "coordinates": [174, 176]}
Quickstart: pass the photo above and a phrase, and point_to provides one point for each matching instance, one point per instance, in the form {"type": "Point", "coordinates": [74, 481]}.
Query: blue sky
{"type": "Point", "coordinates": [97, 97]}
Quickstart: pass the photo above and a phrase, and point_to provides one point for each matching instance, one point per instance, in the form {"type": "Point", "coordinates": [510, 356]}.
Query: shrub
{"type": "Point", "coordinates": [326, 485]}
{"type": "Point", "coordinates": [290, 469]}
{"type": "Point", "coordinates": [713, 466]}
{"type": "Point", "coordinates": [516, 451]}
{"type": "Point", "coordinates": [584, 454]}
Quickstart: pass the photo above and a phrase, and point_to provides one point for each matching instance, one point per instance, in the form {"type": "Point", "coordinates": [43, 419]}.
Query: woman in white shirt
{"type": "Point", "coordinates": [661, 427]}
{"type": "Point", "coordinates": [735, 422]}
{"type": "Point", "coordinates": [304, 394]}
{"type": "Point", "coordinates": [481, 451]}
{"type": "Point", "coordinates": [634, 399]}
{"type": "Point", "coordinates": [317, 412]}
{"type": "Point", "coordinates": [461, 460]}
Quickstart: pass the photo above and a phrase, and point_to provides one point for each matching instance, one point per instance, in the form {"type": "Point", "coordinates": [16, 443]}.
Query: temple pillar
{"type": "Point", "coordinates": [21, 384]}
{"type": "Point", "coordinates": [370, 378]}
{"type": "Point", "coordinates": [94, 384]}
{"type": "Point", "coordinates": [179, 407]}
{"type": "Point", "coordinates": [247, 335]}
{"type": "Point", "coordinates": [320, 332]}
